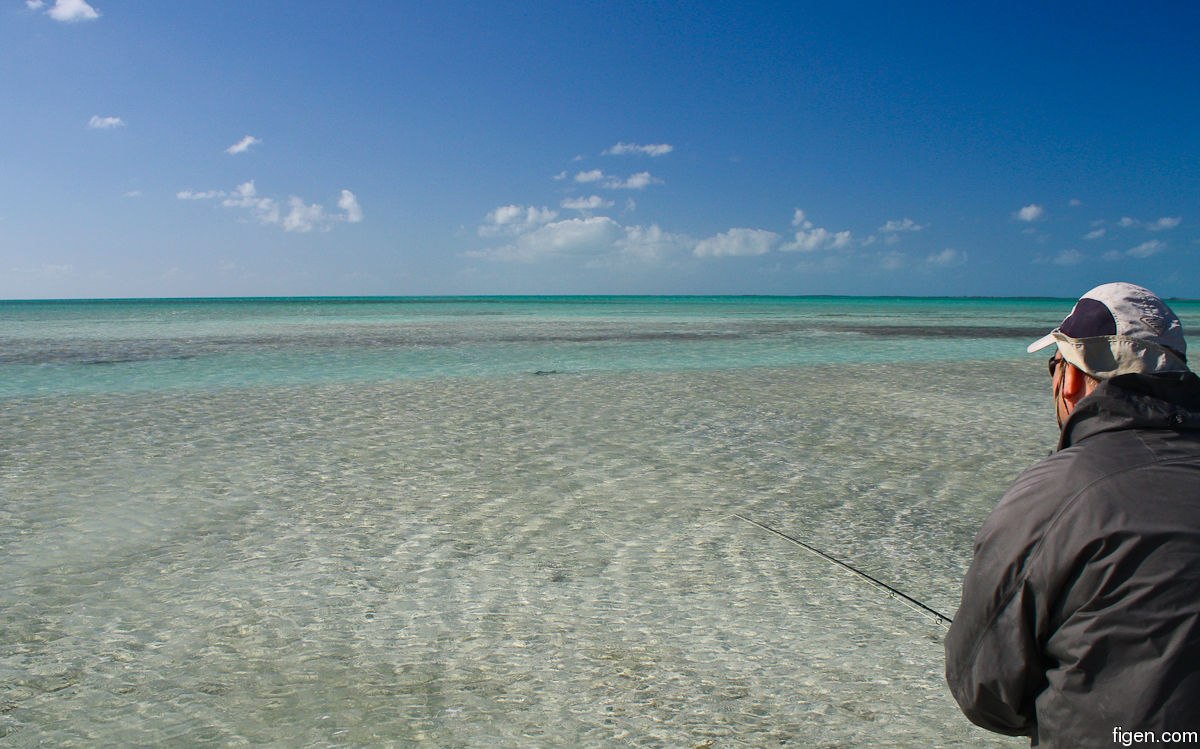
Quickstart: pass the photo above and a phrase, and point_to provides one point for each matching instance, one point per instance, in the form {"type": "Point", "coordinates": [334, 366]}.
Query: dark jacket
{"type": "Point", "coordinates": [1080, 613]}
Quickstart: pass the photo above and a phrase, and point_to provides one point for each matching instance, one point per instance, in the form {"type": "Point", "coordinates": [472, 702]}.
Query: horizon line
{"type": "Point", "coordinates": [543, 296]}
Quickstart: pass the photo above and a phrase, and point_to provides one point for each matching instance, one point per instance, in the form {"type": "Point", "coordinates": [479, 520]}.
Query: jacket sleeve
{"type": "Point", "coordinates": [994, 660]}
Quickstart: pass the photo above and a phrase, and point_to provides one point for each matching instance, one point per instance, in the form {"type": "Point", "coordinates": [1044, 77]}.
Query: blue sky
{"type": "Point", "coordinates": [305, 148]}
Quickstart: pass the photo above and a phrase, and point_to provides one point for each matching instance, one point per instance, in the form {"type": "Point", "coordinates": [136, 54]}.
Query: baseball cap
{"type": "Point", "coordinates": [1119, 328]}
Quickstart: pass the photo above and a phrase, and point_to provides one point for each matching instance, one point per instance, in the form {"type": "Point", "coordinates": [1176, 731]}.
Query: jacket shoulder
{"type": "Point", "coordinates": [1053, 487]}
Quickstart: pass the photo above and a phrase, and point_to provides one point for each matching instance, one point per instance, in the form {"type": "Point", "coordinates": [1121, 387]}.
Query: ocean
{"type": "Point", "coordinates": [500, 522]}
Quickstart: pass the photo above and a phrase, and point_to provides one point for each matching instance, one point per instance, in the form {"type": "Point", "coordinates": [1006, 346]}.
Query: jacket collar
{"type": "Point", "coordinates": [1135, 401]}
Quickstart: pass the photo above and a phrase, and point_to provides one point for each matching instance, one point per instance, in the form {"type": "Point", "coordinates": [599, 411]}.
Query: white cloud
{"type": "Point", "coordinates": [637, 181]}
{"type": "Point", "coordinates": [1075, 203]}
{"type": "Point", "coordinates": [904, 225]}
{"type": "Point", "coordinates": [1166, 222]}
{"type": "Point", "coordinates": [266, 210]}
{"type": "Point", "coordinates": [1031, 212]}
{"type": "Point", "coordinates": [300, 217]}
{"type": "Point", "coordinates": [105, 123]}
{"type": "Point", "coordinates": [634, 182]}
{"type": "Point", "coordinates": [1146, 249]}
{"type": "Point", "coordinates": [1142, 251]}
{"type": "Point", "coordinates": [1095, 233]}
{"type": "Point", "coordinates": [193, 195]}
{"type": "Point", "coordinates": [243, 145]}
{"type": "Point", "coordinates": [650, 244]}
{"type": "Point", "coordinates": [67, 11]}
{"type": "Point", "coordinates": [511, 220]}
{"type": "Point", "coordinates": [349, 204]}
{"type": "Point", "coordinates": [134, 194]}
{"type": "Point", "coordinates": [893, 229]}
{"type": "Point", "coordinates": [244, 195]}
{"type": "Point", "coordinates": [571, 237]}
{"type": "Point", "coordinates": [947, 258]}
{"type": "Point", "coordinates": [737, 242]}
{"type": "Point", "coordinates": [811, 240]}
{"type": "Point", "coordinates": [304, 217]}
{"type": "Point", "coordinates": [593, 203]}
{"type": "Point", "coordinates": [1068, 257]}
{"type": "Point", "coordinates": [599, 240]}
{"type": "Point", "coordinates": [1162, 224]}
{"type": "Point", "coordinates": [623, 149]}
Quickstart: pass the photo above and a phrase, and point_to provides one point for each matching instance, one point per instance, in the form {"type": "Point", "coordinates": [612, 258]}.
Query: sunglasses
{"type": "Point", "coordinates": [1054, 362]}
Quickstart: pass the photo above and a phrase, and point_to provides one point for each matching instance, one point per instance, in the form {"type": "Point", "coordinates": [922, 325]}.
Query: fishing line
{"type": "Point", "coordinates": [892, 592]}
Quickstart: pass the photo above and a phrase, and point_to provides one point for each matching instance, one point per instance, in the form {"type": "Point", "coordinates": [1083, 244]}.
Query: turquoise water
{"type": "Point", "coordinates": [147, 345]}
{"type": "Point", "coordinates": [499, 522]}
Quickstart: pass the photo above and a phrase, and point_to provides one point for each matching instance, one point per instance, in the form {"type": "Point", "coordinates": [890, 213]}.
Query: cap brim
{"type": "Point", "coordinates": [1041, 343]}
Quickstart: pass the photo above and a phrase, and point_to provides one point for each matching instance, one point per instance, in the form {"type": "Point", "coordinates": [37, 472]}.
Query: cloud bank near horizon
{"type": "Point", "coordinates": [533, 233]}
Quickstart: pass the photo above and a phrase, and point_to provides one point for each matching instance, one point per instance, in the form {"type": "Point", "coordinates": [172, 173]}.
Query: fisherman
{"type": "Point", "coordinates": [1080, 617]}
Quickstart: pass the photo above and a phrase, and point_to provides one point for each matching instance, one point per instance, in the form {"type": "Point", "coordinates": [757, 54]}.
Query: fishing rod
{"type": "Point", "coordinates": [892, 592]}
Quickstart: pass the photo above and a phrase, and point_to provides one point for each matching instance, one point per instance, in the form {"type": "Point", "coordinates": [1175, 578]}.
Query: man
{"type": "Point", "coordinates": [1080, 616]}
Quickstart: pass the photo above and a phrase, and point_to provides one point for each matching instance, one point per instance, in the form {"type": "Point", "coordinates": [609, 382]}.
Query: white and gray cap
{"type": "Point", "coordinates": [1119, 328]}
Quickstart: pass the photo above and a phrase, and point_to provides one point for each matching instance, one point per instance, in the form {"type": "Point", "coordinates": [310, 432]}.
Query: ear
{"type": "Point", "coordinates": [1074, 385]}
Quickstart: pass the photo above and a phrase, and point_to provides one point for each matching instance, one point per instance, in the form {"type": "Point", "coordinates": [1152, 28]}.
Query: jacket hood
{"type": "Point", "coordinates": [1135, 401]}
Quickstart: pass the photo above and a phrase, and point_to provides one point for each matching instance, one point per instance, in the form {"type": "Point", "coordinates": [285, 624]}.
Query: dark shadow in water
{"type": "Point", "coordinates": [132, 351]}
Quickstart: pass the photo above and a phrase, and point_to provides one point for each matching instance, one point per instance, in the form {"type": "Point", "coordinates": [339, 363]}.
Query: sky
{"type": "Point", "coordinates": [270, 148]}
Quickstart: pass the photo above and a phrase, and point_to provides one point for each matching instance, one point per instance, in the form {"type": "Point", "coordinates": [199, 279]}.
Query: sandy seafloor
{"type": "Point", "coordinates": [521, 560]}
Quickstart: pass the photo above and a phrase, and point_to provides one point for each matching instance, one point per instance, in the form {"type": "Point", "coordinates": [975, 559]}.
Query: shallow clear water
{"type": "Point", "coordinates": [373, 523]}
